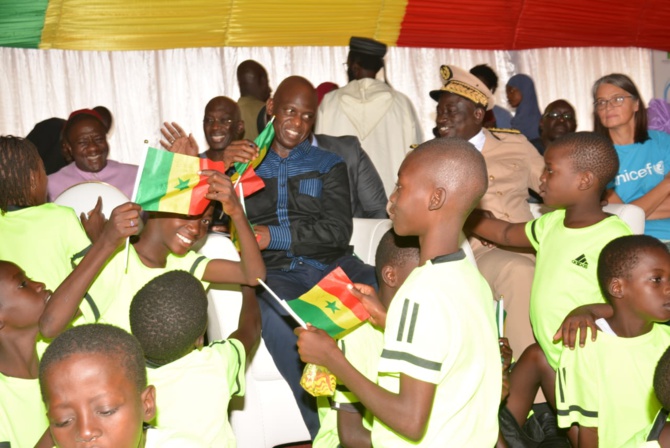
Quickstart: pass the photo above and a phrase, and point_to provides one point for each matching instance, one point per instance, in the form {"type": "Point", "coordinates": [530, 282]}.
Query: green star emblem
{"type": "Point", "coordinates": [182, 184]}
{"type": "Point", "coordinates": [332, 306]}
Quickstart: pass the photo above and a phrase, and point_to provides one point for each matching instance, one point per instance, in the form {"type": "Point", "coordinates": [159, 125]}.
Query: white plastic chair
{"type": "Point", "coordinates": [368, 232]}
{"type": "Point", "coordinates": [82, 197]}
{"type": "Point", "coordinates": [631, 214]}
{"type": "Point", "coordinates": [267, 415]}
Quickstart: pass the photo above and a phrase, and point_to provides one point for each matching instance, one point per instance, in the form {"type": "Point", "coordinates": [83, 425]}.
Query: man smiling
{"type": "Point", "coordinates": [513, 167]}
{"type": "Point", "coordinates": [85, 140]}
{"type": "Point", "coordinates": [303, 219]}
{"type": "Point", "coordinates": [222, 124]}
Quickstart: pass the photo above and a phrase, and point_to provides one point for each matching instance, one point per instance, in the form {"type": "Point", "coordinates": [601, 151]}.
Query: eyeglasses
{"type": "Point", "coordinates": [222, 121]}
{"type": "Point", "coordinates": [565, 116]}
{"type": "Point", "coordinates": [617, 101]}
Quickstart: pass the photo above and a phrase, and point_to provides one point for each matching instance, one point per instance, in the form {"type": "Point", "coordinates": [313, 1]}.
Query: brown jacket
{"type": "Point", "coordinates": [514, 166]}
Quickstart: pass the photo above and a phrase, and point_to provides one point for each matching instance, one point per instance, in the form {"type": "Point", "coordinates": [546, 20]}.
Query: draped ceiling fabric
{"type": "Point", "coordinates": [145, 88]}
{"type": "Point", "coordinates": [480, 24]}
{"type": "Point", "coordinates": [181, 53]}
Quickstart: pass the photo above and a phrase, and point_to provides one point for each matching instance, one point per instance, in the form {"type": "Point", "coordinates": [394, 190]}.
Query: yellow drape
{"type": "Point", "coordinates": [141, 25]}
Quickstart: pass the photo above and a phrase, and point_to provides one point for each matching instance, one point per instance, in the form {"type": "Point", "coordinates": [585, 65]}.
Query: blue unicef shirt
{"type": "Point", "coordinates": [642, 166]}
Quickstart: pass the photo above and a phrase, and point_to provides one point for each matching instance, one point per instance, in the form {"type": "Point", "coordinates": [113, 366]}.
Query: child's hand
{"type": "Point", "coordinates": [580, 319]}
{"type": "Point", "coordinates": [368, 297]}
{"type": "Point", "coordinates": [505, 353]}
{"type": "Point", "coordinates": [316, 346]}
{"type": "Point", "coordinates": [123, 223]}
{"type": "Point", "coordinates": [93, 221]}
{"type": "Point", "coordinates": [177, 140]}
{"type": "Point", "coordinates": [241, 151]}
{"type": "Point", "coordinates": [221, 189]}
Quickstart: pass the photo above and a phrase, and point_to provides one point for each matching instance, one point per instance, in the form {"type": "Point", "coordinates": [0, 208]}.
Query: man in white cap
{"type": "Point", "coordinates": [513, 166]}
{"type": "Point", "coordinates": [383, 119]}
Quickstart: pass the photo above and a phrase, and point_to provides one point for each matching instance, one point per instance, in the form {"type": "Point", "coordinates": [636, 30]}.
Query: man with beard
{"type": "Point", "coordinates": [513, 167]}
{"type": "Point", "coordinates": [383, 119]}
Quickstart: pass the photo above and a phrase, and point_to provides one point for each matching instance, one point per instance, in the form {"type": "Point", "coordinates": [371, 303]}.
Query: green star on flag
{"type": "Point", "coordinates": [181, 184]}
{"type": "Point", "coordinates": [330, 293]}
{"type": "Point", "coordinates": [332, 306]}
{"type": "Point", "coordinates": [169, 182]}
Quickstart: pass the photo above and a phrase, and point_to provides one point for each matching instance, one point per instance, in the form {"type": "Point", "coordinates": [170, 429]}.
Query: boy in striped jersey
{"type": "Point", "coordinates": [439, 375]}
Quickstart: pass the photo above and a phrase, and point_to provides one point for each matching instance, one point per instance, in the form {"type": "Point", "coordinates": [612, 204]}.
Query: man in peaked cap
{"type": "Point", "coordinates": [383, 119]}
{"type": "Point", "coordinates": [514, 166]}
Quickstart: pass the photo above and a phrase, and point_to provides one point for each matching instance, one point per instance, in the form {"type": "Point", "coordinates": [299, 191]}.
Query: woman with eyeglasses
{"type": "Point", "coordinates": [644, 156]}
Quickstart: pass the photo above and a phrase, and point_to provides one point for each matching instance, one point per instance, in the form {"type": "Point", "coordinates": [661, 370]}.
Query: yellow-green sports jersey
{"type": "Point", "coordinates": [42, 240]}
{"type": "Point", "coordinates": [608, 384]}
{"type": "Point", "coordinates": [192, 393]}
{"type": "Point", "coordinates": [23, 417]}
{"type": "Point", "coordinates": [109, 297]}
{"type": "Point", "coordinates": [167, 438]}
{"type": "Point", "coordinates": [440, 329]}
{"type": "Point", "coordinates": [362, 348]}
{"type": "Point", "coordinates": [649, 436]}
{"type": "Point", "coordinates": [565, 272]}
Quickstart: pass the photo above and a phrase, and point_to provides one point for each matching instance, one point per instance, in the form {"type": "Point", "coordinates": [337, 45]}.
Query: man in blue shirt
{"type": "Point", "coordinates": [303, 218]}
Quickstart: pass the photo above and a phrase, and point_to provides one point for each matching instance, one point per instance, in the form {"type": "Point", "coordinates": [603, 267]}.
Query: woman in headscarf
{"type": "Point", "coordinates": [644, 155]}
{"type": "Point", "coordinates": [521, 95]}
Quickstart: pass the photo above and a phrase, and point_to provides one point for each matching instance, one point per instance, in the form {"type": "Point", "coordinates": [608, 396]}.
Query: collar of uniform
{"type": "Point", "coordinates": [478, 140]}
{"type": "Point", "coordinates": [299, 151]}
{"type": "Point", "coordinates": [456, 256]}
{"type": "Point", "coordinates": [151, 364]}
{"type": "Point", "coordinates": [13, 208]}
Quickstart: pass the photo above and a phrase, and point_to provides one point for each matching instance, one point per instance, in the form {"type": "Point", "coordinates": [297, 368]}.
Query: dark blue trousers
{"type": "Point", "coordinates": [278, 325]}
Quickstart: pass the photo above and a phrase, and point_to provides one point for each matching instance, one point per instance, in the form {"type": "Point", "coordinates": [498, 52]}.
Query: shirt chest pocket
{"type": "Point", "coordinates": [311, 187]}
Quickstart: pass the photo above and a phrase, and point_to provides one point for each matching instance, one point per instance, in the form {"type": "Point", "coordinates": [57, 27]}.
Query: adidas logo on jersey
{"type": "Point", "coordinates": [581, 261]}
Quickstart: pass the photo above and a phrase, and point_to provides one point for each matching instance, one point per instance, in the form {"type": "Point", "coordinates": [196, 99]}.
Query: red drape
{"type": "Point", "coordinates": [519, 24]}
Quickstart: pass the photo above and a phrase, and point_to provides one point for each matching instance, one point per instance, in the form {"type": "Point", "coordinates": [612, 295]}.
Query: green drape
{"type": "Point", "coordinates": [22, 23]}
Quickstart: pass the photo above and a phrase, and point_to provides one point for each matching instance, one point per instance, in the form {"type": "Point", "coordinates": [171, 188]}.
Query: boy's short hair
{"type": "Point", "coordinates": [18, 158]}
{"type": "Point", "coordinates": [662, 380]}
{"type": "Point", "coordinates": [98, 339]}
{"type": "Point", "coordinates": [589, 151]}
{"type": "Point", "coordinates": [168, 315]}
{"type": "Point", "coordinates": [620, 256]}
{"type": "Point", "coordinates": [456, 165]}
{"type": "Point", "coordinates": [394, 250]}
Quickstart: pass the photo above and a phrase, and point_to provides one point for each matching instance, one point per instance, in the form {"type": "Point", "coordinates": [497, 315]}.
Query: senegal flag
{"type": "Point", "coordinates": [330, 306]}
{"type": "Point", "coordinates": [251, 181]}
{"type": "Point", "coordinates": [170, 182]}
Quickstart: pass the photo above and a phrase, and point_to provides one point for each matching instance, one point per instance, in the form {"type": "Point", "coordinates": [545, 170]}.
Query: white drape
{"type": "Point", "coordinates": [145, 88]}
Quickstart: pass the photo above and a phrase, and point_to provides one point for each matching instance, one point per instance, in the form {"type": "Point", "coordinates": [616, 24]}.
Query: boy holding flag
{"type": "Point", "coordinates": [439, 375]}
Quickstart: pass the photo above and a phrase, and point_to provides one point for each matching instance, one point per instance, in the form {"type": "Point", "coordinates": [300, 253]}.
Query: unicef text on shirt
{"type": "Point", "coordinates": [648, 170]}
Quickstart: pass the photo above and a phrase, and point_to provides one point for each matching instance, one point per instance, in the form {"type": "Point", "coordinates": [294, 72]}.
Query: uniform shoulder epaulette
{"type": "Point", "coordinates": [505, 131]}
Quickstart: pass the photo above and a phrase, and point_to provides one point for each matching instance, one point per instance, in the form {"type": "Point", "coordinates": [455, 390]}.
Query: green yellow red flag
{"type": "Point", "coordinates": [330, 305]}
{"type": "Point", "coordinates": [263, 141]}
{"type": "Point", "coordinates": [170, 182]}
